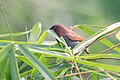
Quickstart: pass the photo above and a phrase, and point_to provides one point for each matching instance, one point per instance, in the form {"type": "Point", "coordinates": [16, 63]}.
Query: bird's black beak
{"type": "Point", "coordinates": [51, 28]}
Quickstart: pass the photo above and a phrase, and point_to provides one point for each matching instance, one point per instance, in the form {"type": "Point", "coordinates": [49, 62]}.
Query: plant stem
{"type": "Point", "coordinates": [6, 22]}
{"type": "Point", "coordinates": [76, 66]}
{"type": "Point", "coordinates": [110, 48]}
{"type": "Point", "coordinates": [87, 72]}
{"type": "Point", "coordinates": [27, 36]}
{"type": "Point", "coordinates": [102, 37]}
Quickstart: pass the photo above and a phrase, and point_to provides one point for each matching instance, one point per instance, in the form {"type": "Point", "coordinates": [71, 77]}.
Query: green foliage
{"type": "Point", "coordinates": [13, 65]}
{"type": "Point", "coordinates": [35, 60]}
{"type": "Point", "coordinates": [35, 33]}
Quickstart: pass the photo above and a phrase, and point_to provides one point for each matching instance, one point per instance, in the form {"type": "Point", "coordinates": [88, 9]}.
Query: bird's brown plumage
{"type": "Point", "coordinates": [61, 30]}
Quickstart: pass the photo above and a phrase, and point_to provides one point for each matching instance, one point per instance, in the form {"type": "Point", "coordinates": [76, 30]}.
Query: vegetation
{"type": "Point", "coordinates": [39, 58]}
{"type": "Point", "coordinates": [35, 60]}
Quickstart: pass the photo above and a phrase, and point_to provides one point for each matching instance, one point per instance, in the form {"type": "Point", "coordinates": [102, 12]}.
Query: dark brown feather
{"type": "Point", "coordinates": [61, 30]}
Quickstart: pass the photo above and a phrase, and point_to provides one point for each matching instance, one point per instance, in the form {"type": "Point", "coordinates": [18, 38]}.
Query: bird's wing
{"type": "Point", "coordinates": [74, 36]}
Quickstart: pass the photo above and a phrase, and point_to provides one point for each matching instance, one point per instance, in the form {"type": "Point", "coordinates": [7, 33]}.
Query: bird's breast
{"type": "Point", "coordinates": [70, 43]}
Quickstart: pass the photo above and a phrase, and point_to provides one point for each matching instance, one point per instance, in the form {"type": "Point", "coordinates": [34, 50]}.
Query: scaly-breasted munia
{"type": "Point", "coordinates": [71, 38]}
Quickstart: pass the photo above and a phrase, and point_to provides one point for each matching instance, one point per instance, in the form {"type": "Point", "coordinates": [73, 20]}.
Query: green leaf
{"type": "Point", "coordinates": [85, 29]}
{"type": "Point", "coordinates": [14, 34]}
{"type": "Point", "coordinates": [34, 70]}
{"type": "Point", "coordinates": [3, 66]}
{"type": "Point", "coordinates": [41, 58]}
{"type": "Point", "coordinates": [52, 53]}
{"type": "Point", "coordinates": [3, 44]}
{"type": "Point", "coordinates": [54, 35]}
{"type": "Point", "coordinates": [81, 47]}
{"type": "Point", "coordinates": [64, 71]}
{"type": "Point", "coordinates": [61, 66]}
{"type": "Point", "coordinates": [45, 47]}
{"type": "Point", "coordinates": [99, 65]}
{"type": "Point", "coordinates": [60, 39]}
{"type": "Point", "coordinates": [25, 73]}
{"type": "Point", "coordinates": [89, 63]}
{"type": "Point", "coordinates": [35, 33]}
{"type": "Point", "coordinates": [104, 41]}
{"type": "Point", "coordinates": [8, 73]}
{"type": "Point", "coordinates": [26, 60]}
{"type": "Point", "coordinates": [110, 44]}
{"type": "Point", "coordinates": [100, 56]}
{"type": "Point", "coordinates": [95, 76]}
{"type": "Point", "coordinates": [38, 64]}
{"type": "Point", "coordinates": [13, 66]}
{"type": "Point", "coordinates": [42, 37]}
{"type": "Point", "coordinates": [5, 50]}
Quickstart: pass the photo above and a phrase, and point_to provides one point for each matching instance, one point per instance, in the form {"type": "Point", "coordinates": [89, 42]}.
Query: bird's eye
{"type": "Point", "coordinates": [54, 27]}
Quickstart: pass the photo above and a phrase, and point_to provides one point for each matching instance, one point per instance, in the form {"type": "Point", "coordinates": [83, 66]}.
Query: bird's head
{"type": "Point", "coordinates": [59, 29]}
{"type": "Point", "coordinates": [57, 26]}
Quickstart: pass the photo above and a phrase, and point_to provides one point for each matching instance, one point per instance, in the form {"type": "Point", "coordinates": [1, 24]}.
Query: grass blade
{"type": "Point", "coordinates": [5, 50]}
{"type": "Point", "coordinates": [42, 37]}
{"type": "Point", "coordinates": [14, 34]}
{"type": "Point", "coordinates": [52, 53]}
{"type": "Point", "coordinates": [26, 60]}
{"type": "Point", "coordinates": [3, 66]}
{"type": "Point", "coordinates": [13, 66]}
{"type": "Point", "coordinates": [95, 76]}
{"type": "Point", "coordinates": [39, 65]}
{"type": "Point", "coordinates": [8, 73]}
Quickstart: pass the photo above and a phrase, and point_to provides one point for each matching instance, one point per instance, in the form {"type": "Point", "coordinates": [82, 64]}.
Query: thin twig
{"type": "Point", "coordinates": [27, 36]}
{"type": "Point", "coordinates": [107, 74]}
{"type": "Point", "coordinates": [87, 77]}
{"type": "Point", "coordinates": [114, 73]}
{"type": "Point", "coordinates": [76, 66]}
{"type": "Point", "coordinates": [90, 76]}
{"type": "Point", "coordinates": [85, 25]}
{"type": "Point", "coordinates": [67, 75]}
{"type": "Point", "coordinates": [110, 48]}
{"type": "Point", "coordinates": [102, 58]}
{"type": "Point", "coordinates": [103, 37]}
{"type": "Point", "coordinates": [74, 74]}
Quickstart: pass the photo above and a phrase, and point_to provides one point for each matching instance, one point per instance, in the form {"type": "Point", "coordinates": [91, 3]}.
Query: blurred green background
{"type": "Point", "coordinates": [21, 13]}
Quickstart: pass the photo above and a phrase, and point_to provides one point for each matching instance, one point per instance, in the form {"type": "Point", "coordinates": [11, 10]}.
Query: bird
{"type": "Point", "coordinates": [71, 37]}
